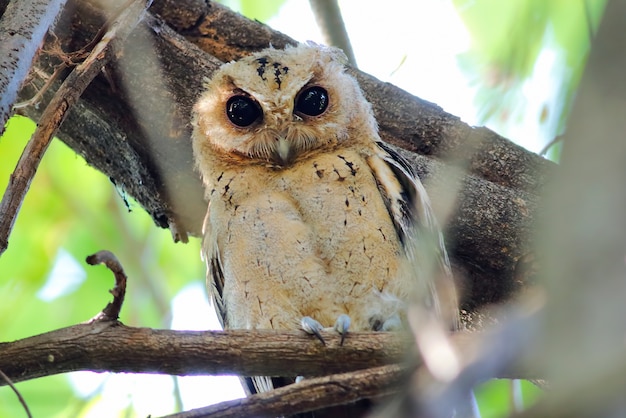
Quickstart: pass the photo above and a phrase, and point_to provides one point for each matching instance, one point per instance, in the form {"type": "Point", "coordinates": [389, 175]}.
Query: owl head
{"type": "Point", "coordinates": [277, 106]}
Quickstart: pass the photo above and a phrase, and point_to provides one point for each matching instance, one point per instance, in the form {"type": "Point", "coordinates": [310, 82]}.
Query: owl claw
{"type": "Point", "coordinates": [312, 327]}
{"type": "Point", "coordinates": [341, 326]}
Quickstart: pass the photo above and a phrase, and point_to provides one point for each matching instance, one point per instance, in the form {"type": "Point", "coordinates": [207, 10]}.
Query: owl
{"type": "Point", "coordinates": [312, 219]}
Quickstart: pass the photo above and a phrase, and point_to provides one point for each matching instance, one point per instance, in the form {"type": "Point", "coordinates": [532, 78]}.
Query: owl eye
{"type": "Point", "coordinates": [312, 101]}
{"type": "Point", "coordinates": [243, 111]}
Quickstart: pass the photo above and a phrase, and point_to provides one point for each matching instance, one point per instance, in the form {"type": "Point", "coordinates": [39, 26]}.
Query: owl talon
{"type": "Point", "coordinates": [312, 327]}
{"type": "Point", "coordinates": [341, 326]}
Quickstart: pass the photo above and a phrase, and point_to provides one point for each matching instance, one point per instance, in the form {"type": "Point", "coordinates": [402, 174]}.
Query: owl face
{"type": "Point", "coordinates": [277, 106]}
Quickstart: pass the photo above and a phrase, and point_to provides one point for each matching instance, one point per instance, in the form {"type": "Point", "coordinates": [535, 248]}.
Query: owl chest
{"type": "Point", "coordinates": [335, 196]}
{"type": "Point", "coordinates": [309, 238]}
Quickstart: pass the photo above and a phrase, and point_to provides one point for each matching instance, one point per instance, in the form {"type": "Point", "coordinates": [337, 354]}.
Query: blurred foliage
{"type": "Point", "coordinates": [515, 43]}
{"type": "Point", "coordinates": [71, 211]}
{"type": "Point", "coordinates": [495, 397]}
{"type": "Point", "coordinates": [510, 39]}
{"type": "Point", "coordinates": [254, 9]}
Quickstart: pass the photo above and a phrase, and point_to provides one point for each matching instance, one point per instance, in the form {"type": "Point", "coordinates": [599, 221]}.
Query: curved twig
{"type": "Point", "coordinates": [111, 312]}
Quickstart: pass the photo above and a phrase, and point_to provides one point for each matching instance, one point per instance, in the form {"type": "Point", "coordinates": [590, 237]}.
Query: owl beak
{"type": "Point", "coordinates": [283, 150]}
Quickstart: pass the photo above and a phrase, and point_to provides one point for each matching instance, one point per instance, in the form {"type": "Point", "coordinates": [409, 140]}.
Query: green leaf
{"type": "Point", "coordinates": [254, 9]}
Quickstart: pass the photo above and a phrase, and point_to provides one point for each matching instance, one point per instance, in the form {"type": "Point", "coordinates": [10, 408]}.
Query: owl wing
{"type": "Point", "coordinates": [215, 286]}
{"type": "Point", "coordinates": [214, 270]}
{"type": "Point", "coordinates": [417, 228]}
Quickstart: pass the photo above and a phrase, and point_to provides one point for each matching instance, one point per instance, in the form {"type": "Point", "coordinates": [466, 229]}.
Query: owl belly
{"type": "Point", "coordinates": [312, 240]}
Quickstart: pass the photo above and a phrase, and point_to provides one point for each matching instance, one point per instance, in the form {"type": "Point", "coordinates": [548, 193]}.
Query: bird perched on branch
{"type": "Point", "coordinates": [313, 222]}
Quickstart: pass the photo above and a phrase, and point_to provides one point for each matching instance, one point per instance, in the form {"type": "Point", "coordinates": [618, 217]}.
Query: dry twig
{"type": "Point", "coordinates": [111, 312]}
{"type": "Point", "coordinates": [329, 19]}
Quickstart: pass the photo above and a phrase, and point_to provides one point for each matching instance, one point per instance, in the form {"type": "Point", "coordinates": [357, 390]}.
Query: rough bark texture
{"type": "Point", "coordinates": [105, 345]}
{"type": "Point", "coordinates": [110, 346]}
{"type": "Point", "coordinates": [134, 126]}
{"type": "Point", "coordinates": [306, 396]}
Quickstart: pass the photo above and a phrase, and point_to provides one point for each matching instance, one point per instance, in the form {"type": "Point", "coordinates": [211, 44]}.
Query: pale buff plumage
{"type": "Point", "coordinates": [308, 215]}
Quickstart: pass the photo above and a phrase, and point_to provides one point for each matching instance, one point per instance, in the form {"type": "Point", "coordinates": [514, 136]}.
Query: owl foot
{"type": "Point", "coordinates": [312, 327]}
{"type": "Point", "coordinates": [341, 326]}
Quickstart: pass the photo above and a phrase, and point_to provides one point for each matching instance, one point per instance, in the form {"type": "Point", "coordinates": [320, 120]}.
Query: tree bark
{"type": "Point", "coordinates": [104, 345]}
{"type": "Point", "coordinates": [110, 346]}
{"type": "Point", "coordinates": [134, 126]}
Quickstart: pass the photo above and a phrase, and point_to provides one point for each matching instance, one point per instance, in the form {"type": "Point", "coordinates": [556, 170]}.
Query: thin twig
{"type": "Point", "coordinates": [17, 393]}
{"type": "Point", "coordinates": [49, 80]}
{"type": "Point", "coordinates": [309, 394]}
{"type": "Point", "coordinates": [550, 144]}
{"type": "Point", "coordinates": [83, 51]}
{"type": "Point", "coordinates": [67, 95]}
{"type": "Point", "coordinates": [111, 312]}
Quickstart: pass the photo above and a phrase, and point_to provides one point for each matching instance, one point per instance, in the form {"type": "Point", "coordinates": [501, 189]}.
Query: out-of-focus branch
{"type": "Point", "coordinates": [110, 346]}
{"type": "Point", "coordinates": [580, 345]}
{"type": "Point", "coordinates": [329, 19]}
{"type": "Point", "coordinates": [309, 394]}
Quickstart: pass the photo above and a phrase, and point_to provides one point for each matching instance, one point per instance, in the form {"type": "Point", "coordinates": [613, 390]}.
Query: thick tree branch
{"type": "Point", "coordinates": [111, 312]}
{"type": "Point", "coordinates": [329, 20]}
{"type": "Point", "coordinates": [405, 120]}
{"type": "Point", "coordinates": [150, 156]}
{"type": "Point", "coordinates": [110, 346]}
{"type": "Point", "coordinates": [309, 395]}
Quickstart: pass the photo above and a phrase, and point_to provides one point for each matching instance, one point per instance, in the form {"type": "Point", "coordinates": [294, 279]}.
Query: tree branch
{"type": "Point", "coordinates": [111, 312]}
{"type": "Point", "coordinates": [405, 120]}
{"type": "Point", "coordinates": [487, 234]}
{"type": "Point", "coordinates": [110, 346]}
{"type": "Point", "coordinates": [309, 395]}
